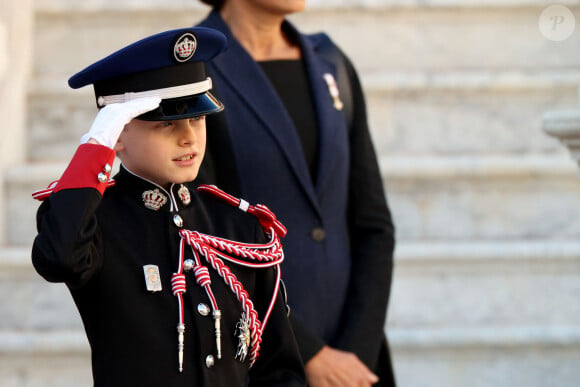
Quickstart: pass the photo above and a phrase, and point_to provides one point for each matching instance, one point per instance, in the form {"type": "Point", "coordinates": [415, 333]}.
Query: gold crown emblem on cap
{"type": "Point", "coordinates": [153, 199]}
{"type": "Point", "coordinates": [185, 47]}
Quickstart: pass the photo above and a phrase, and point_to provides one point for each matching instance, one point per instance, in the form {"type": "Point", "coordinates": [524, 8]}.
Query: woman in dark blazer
{"type": "Point", "coordinates": [284, 140]}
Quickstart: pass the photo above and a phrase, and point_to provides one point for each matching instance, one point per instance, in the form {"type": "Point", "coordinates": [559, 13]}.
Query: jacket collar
{"type": "Point", "coordinates": [152, 195]}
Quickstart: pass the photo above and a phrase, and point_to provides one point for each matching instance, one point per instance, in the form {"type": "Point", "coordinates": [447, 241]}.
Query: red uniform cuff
{"type": "Point", "coordinates": [90, 167]}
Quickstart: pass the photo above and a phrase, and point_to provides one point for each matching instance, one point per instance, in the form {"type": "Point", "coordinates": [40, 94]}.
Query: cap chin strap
{"type": "Point", "coordinates": [166, 93]}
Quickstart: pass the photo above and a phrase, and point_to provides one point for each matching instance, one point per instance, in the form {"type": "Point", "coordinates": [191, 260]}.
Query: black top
{"type": "Point", "coordinates": [290, 81]}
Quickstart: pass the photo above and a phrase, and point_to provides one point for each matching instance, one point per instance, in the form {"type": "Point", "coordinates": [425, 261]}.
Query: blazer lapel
{"type": "Point", "coordinates": [257, 93]}
{"type": "Point", "coordinates": [331, 123]}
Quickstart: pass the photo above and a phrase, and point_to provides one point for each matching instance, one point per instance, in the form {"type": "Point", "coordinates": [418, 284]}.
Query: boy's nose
{"type": "Point", "coordinates": [188, 131]}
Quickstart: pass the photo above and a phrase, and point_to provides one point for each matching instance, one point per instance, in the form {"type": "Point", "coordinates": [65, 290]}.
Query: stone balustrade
{"type": "Point", "coordinates": [565, 125]}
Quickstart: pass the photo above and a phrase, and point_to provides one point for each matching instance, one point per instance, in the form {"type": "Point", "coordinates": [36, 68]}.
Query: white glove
{"type": "Point", "coordinates": [111, 119]}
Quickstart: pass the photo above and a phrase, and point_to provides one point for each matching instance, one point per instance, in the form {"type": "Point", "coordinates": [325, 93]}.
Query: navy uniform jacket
{"type": "Point", "coordinates": [98, 246]}
{"type": "Point", "coordinates": [340, 235]}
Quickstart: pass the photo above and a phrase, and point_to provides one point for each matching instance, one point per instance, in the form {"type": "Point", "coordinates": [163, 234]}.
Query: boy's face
{"type": "Point", "coordinates": [163, 151]}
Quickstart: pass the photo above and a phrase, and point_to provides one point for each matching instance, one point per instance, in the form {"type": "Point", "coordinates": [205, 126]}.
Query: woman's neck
{"type": "Point", "coordinates": [259, 32]}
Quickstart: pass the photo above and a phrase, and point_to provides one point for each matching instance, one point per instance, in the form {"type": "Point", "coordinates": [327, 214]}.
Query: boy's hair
{"type": "Point", "coordinates": [215, 4]}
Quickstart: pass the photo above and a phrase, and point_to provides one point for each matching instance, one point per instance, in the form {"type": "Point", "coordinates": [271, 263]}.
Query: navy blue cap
{"type": "Point", "coordinates": [169, 64]}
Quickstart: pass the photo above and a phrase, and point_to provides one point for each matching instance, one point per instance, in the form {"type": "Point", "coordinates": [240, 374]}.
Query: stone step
{"type": "Point", "coordinates": [472, 198]}
{"type": "Point", "coordinates": [437, 285]}
{"type": "Point", "coordinates": [410, 113]}
{"type": "Point", "coordinates": [484, 284]}
{"type": "Point", "coordinates": [468, 37]}
{"type": "Point", "coordinates": [451, 78]}
{"type": "Point", "coordinates": [21, 181]}
{"type": "Point", "coordinates": [455, 79]}
{"type": "Point", "coordinates": [502, 313]}
{"type": "Point", "coordinates": [447, 119]}
{"type": "Point", "coordinates": [486, 167]}
{"type": "Point", "coordinates": [402, 81]}
{"type": "Point", "coordinates": [432, 198]}
{"type": "Point", "coordinates": [43, 342]}
{"type": "Point", "coordinates": [34, 304]}
{"type": "Point", "coordinates": [160, 5]}
{"type": "Point", "coordinates": [521, 356]}
{"type": "Point", "coordinates": [376, 38]}
{"type": "Point", "coordinates": [528, 356]}
{"type": "Point", "coordinates": [45, 359]}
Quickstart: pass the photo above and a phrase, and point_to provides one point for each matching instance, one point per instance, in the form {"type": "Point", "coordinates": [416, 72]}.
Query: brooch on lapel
{"type": "Point", "coordinates": [154, 199]}
{"type": "Point", "coordinates": [333, 90]}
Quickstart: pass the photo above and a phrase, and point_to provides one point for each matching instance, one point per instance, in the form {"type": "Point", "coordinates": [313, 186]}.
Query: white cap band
{"type": "Point", "coordinates": [167, 93]}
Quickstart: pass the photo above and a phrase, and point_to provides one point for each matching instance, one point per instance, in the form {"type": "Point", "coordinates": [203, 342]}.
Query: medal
{"type": "Point", "coordinates": [333, 90]}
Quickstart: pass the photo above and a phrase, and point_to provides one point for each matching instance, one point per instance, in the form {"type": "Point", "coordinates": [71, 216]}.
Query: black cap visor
{"type": "Point", "coordinates": [184, 107]}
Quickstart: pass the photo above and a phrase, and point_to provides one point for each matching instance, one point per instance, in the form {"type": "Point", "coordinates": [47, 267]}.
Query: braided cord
{"type": "Point", "coordinates": [216, 249]}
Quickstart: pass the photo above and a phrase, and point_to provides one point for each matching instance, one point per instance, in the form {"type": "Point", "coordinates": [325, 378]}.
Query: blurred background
{"type": "Point", "coordinates": [486, 287]}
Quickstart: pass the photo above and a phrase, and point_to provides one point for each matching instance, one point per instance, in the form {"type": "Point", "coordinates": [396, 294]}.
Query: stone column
{"type": "Point", "coordinates": [565, 125]}
{"type": "Point", "coordinates": [16, 32]}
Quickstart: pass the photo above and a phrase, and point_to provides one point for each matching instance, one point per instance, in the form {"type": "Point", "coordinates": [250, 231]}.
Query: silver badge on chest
{"type": "Point", "coordinates": [152, 278]}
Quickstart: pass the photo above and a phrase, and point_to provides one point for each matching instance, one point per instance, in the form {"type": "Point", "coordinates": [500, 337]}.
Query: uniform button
{"type": "Point", "coordinates": [203, 309]}
{"type": "Point", "coordinates": [178, 220]}
{"type": "Point", "coordinates": [107, 169]}
{"type": "Point", "coordinates": [318, 234]}
{"type": "Point", "coordinates": [102, 177]}
{"type": "Point", "coordinates": [209, 361]}
{"type": "Point", "coordinates": [188, 264]}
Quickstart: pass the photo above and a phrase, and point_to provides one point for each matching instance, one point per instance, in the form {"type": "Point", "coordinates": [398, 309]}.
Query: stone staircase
{"type": "Point", "coordinates": [487, 275]}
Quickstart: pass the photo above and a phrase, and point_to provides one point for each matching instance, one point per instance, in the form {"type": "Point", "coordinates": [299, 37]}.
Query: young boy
{"type": "Point", "coordinates": [166, 295]}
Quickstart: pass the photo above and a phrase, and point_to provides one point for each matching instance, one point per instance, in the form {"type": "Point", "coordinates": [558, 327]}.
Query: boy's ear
{"type": "Point", "coordinates": [119, 146]}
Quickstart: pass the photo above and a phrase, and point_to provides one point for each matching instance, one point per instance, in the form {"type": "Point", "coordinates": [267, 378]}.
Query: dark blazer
{"type": "Point", "coordinates": [98, 247]}
{"type": "Point", "coordinates": [340, 238]}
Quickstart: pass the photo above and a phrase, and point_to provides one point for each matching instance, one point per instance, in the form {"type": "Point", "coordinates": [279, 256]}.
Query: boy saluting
{"type": "Point", "coordinates": [174, 287]}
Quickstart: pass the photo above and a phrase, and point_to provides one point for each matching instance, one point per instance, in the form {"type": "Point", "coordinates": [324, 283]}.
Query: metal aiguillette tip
{"type": "Point", "coordinates": [217, 314]}
{"type": "Point", "coordinates": [180, 331]}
